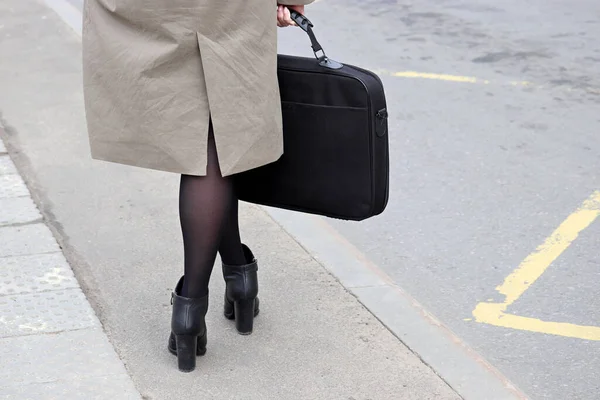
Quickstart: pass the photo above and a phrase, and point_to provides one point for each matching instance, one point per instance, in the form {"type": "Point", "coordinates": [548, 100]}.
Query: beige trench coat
{"type": "Point", "coordinates": [156, 72]}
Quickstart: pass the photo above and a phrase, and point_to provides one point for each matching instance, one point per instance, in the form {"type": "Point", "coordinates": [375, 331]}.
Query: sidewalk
{"type": "Point", "coordinates": [118, 228]}
{"type": "Point", "coordinates": [51, 342]}
{"type": "Point", "coordinates": [312, 340]}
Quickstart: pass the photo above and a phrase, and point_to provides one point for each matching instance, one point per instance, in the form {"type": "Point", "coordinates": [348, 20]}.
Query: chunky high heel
{"type": "Point", "coordinates": [188, 329]}
{"type": "Point", "coordinates": [241, 301]}
{"type": "Point", "coordinates": [186, 352]}
{"type": "Point", "coordinates": [244, 316]}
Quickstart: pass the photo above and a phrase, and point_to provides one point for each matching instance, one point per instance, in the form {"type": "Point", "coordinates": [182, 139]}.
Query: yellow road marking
{"type": "Point", "coordinates": [439, 77]}
{"type": "Point", "coordinates": [531, 269]}
{"type": "Point", "coordinates": [536, 263]}
{"type": "Point", "coordinates": [472, 79]}
{"type": "Point", "coordinates": [445, 77]}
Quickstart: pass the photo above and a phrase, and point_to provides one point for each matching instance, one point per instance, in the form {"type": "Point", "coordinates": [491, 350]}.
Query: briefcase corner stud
{"type": "Point", "coordinates": [327, 62]}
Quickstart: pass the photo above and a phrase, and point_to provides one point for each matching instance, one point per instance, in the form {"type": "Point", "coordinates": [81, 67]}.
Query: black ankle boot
{"type": "Point", "coordinates": [188, 329]}
{"type": "Point", "coordinates": [241, 302]}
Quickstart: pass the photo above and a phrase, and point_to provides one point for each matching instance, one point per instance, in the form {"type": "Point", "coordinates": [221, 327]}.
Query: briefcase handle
{"type": "Point", "coordinates": [305, 24]}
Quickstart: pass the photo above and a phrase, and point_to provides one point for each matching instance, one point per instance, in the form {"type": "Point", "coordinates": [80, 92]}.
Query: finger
{"type": "Point", "coordinates": [288, 17]}
{"type": "Point", "coordinates": [281, 16]}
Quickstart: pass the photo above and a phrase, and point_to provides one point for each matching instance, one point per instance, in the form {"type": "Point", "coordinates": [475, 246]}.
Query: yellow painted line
{"type": "Point", "coordinates": [532, 268]}
{"type": "Point", "coordinates": [439, 77]}
{"type": "Point", "coordinates": [473, 80]}
{"type": "Point", "coordinates": [445, 77]}
{"type": "Point", "coordinates": [493, 314]}
{"type": "Point", "coordinates": [536, 263]}
{"type": "Point", "coordinates": [521, 83]}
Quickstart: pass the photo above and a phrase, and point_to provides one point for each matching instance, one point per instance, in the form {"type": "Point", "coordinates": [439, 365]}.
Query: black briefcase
{"type": "Point", "coordinates": [335, 132]}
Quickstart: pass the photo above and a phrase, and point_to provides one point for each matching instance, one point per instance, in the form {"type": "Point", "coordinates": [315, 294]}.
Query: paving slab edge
{"type": "Point", "coordinates": [23, 171]}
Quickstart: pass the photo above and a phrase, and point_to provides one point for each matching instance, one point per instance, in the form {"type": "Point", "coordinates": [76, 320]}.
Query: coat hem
{"type": "Point", "coordinates": [271, 160]}
{"type": "Point", "coordinates": [181, 171]}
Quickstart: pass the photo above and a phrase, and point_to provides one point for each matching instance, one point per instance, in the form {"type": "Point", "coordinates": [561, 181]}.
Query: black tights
{"type": "Point", "coordinates": [208, 211]}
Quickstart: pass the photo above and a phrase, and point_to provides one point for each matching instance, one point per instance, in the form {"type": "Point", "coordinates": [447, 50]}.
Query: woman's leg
{"type": "Point", "coordinates": [208, 215]}
{"type": "Point", "coordinates": [230, 249]}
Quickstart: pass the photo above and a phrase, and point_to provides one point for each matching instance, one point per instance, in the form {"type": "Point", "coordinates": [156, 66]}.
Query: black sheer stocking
{"type": "Point", "coordinates": [208, 213]}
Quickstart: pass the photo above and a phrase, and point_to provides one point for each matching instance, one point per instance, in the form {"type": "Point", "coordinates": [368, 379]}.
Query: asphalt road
{"type": "Point", "coordinates": [484, 171]}
{"type": "Point", "coordinates": [490, 154]}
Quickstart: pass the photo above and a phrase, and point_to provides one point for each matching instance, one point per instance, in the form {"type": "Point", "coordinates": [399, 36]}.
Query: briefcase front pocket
{"type": "Point", "coordinates": [325, 153]}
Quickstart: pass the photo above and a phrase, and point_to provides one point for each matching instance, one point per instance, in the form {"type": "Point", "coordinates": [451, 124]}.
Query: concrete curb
{"type": "Point", "coordinates": [467, 372]}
